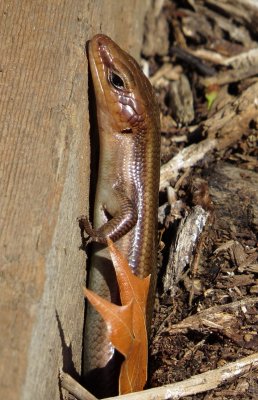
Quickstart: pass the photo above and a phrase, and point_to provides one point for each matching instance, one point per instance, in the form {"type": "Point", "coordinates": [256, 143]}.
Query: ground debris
{"type": "Point", "coordinates": [206, 77]}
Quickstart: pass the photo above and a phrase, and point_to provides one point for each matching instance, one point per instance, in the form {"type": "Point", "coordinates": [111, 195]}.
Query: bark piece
{"type": "Point", "coordinates": [234, 194]}
{"type": "Point", "coordinates": [156, 31]}
{"type": "Point", "coordinates": [181, 255]}
{"type": "Point", "coordinates": [181, 99]}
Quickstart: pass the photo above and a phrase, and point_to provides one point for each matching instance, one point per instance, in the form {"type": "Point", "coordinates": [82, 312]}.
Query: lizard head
{"type": "Point", "coordinates": [123, 92]}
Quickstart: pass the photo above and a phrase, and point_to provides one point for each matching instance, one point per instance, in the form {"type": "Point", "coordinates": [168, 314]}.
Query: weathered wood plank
{"type": "Point", "coordinates": [44, 175]}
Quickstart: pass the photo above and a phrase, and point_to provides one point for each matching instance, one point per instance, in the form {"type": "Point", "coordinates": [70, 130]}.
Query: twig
{"type": "Point", "coordinates": [209, 317]}
{"type": "Point", "coordinates": [188, 157]}
{"type": "Point", "coordinates": [197, 384]}
{"type": "Point", "coordinates": [73, 387]}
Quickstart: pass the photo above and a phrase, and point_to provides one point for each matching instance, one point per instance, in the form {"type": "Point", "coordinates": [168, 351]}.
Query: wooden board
{"type": "Point", "coordinates": [44, 175]}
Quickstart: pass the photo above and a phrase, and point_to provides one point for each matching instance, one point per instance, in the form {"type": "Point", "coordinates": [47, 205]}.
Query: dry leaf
{"type": "Point", "coordinates": [127, 323]}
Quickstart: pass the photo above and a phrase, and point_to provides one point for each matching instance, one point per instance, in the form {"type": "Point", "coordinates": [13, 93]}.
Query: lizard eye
{"type": "Point", "coordinates": [116, 80]}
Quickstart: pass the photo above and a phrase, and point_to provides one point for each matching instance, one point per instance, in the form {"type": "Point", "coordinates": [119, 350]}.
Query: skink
{"type": "Point", "coordinates": [126, 199]}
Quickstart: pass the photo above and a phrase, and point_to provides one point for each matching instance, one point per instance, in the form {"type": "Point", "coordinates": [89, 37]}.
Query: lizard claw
{"type": "Point", "coordinates": [93, 234]}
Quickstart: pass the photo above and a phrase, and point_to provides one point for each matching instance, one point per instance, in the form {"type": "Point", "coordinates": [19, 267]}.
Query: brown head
{"type": "Point", "coordinates": [123, 93]}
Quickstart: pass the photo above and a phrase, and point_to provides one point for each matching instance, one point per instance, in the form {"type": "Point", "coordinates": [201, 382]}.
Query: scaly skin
{"type": "Point", "coordinates": [126, 200]}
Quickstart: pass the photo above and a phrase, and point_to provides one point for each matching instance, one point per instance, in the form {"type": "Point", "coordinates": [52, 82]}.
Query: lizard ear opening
{"type": "Point", "coordinates": [127, 130]}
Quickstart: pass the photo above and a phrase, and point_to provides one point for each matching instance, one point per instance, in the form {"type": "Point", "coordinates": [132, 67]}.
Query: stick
{"type": "Point", "coordinates": [73, 387]}
{"type": "Point", "coordinates": [197, 384]}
